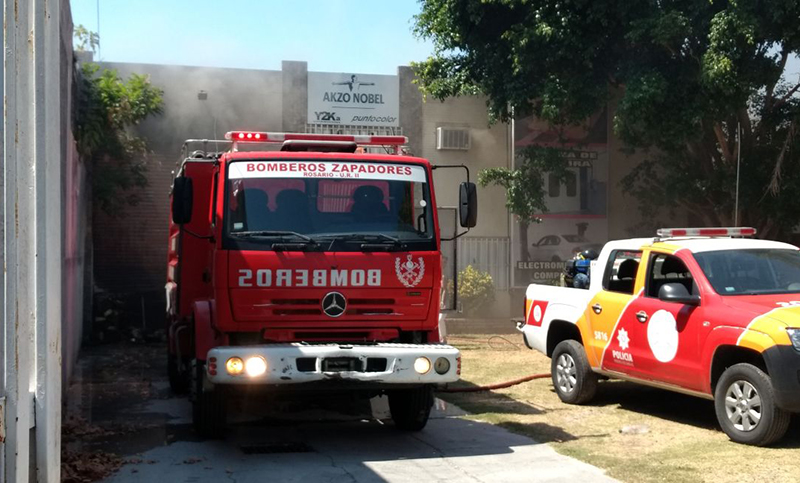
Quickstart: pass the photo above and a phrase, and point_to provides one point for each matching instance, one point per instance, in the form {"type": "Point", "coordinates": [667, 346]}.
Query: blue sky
{"type": "Point", "coordinates": [365, 36]}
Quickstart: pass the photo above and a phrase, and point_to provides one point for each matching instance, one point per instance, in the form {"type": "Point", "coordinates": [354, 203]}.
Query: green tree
{"type": "Point", "coordinates": [686, 75]}
{"type": "Point", "coordinates": [525, 186]}
{"type": "Point", "coordinates": [107, 108]}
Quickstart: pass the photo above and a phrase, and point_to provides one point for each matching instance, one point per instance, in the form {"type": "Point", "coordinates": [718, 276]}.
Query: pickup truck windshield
{"type": "Point", "coordinates": [328, 205]}
{"type": "Point", "coordinates": [752, 272]}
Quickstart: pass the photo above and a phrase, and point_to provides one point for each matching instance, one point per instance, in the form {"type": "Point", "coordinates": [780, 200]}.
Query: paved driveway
{"type": "Point", "coordinates": [310, 441]}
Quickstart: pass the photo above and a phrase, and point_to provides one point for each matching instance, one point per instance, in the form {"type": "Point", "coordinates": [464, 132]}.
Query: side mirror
{"type": "Point", "coordinates": [468, 204]}
{"type": "Point", "coordinates": [677, 293]}
{"type": "Point", "coordinates": [182, 197]}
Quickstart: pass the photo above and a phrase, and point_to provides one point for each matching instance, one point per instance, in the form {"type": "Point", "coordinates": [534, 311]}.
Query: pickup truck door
{"type": "Point", "coordinates": [605, 309]}
{"type": "Point", "coordinates": [665, 336]}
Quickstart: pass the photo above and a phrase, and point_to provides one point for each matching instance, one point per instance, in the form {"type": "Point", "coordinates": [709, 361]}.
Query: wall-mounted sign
{"type": "Point", "coordinates": [353, 99]}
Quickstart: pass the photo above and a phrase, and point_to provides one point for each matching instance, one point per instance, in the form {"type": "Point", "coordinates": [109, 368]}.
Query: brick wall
{"type": "Point", "coordinates": [130, 251]}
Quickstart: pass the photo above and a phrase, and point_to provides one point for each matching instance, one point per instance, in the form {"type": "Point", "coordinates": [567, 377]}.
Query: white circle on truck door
{"type": "Point", "coordinates": [537, 313]}
{"type": "Point", "coordinates": [662, 335]}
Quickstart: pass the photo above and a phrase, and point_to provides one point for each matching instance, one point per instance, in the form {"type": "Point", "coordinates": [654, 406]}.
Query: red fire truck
{"type": "Point", "coordinates": [315, 266]}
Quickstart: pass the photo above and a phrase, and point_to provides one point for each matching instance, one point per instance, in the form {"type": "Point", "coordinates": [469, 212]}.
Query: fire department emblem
{"type": "Point", "coordinates": [409, 272]}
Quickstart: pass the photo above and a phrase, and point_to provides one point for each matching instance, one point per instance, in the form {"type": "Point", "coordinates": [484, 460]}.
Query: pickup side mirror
{"type": "Point", "coordinates": [468, 204]}
{"type": "Point", "coordinates": [677, 293]}
{"type": "Point", "coordinates": [182, 197]}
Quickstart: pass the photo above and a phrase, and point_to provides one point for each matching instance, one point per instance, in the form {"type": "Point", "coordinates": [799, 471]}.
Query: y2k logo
{"type": "Point", "coordinates": [326, 116]}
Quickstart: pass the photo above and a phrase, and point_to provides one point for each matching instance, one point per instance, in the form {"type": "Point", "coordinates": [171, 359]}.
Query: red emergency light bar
{"type": "Point", "coordinates": [730, 231]}
{"type": "Point", "coordinates": [279, 137]}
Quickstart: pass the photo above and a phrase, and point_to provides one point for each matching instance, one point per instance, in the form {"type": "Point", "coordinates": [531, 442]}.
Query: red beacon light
{"type": "Point", "coordinates": [279, 137]}
{"type": "Point", "coordinates": [728, 231]}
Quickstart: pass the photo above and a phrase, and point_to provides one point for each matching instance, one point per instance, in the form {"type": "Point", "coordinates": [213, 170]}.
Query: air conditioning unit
{"type": "Point", "coordinates": [452, 138]}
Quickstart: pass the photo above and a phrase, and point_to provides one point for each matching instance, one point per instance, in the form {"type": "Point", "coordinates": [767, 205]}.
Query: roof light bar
{"type": "Point", "coordinates": [279, 137]}
{"type": "Point", "coordinates": [728, 231]}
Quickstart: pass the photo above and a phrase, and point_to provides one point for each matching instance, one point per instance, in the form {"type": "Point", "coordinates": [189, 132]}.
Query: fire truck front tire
{"type": "Point", "coordinates": [411, 408]}
{"type": "Point", "coordinates": [209, 405]}
{"type": "Point", "coordinates": [178, 380]}
{"type": "Point", "coordinates": [573, 379]}
{"type": "Point", "coordinates": [745, 405]}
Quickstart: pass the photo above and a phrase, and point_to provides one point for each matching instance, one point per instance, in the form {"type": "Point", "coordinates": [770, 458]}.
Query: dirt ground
{"type": "Point", "coordinates": [638, 434]}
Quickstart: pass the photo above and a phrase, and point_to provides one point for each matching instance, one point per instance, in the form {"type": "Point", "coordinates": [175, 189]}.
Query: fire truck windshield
{"type": "Point", "coordinates": [328, 205]}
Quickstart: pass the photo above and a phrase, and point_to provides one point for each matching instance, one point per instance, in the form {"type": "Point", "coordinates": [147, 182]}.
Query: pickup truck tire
{"type": "Point", "coordinates": [411, 408]}
{"type": "Point", "coordinates": [745, 405]}
{"type": "Point", "coordinates": [209, 408]}
{"type": "Point", "coordinates": [573, 379]}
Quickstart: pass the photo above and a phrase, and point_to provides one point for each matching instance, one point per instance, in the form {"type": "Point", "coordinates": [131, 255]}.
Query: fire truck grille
{"type": "Point", "coordinates": [257, 306]}
{"type": "Point", "coordinates": [339, 364]}
{"type": "Point", "coordinates": [364, 307]}
{"type": "Point", "coordinates": [297, 312]}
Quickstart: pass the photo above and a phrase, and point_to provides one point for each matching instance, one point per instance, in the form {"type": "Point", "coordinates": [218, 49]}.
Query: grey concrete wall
{"type": "Point", "coordinates": [488, 148]}
{"type": "Point", "coordinates": [236, 99]}
{"type": "Point", "coordinates": [410, 109]}
{"type": "Point", "coordinates": [295, 95]}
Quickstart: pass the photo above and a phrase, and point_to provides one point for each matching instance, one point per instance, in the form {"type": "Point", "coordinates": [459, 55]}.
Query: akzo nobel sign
{"type": "Point", "coordinates": [353, 99]}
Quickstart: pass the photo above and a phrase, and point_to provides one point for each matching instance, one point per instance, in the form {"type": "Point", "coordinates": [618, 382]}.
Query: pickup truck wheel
{"type": "Point", "coordinates": [573, 379]}
{"type": "Point", "coordinates": [209, 408]}
{"type": "Point", "coordinates": [745, 406]}
{"type": "Point", "coordinates": [410, 408]}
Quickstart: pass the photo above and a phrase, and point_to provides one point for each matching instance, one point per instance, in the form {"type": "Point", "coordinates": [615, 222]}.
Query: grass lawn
{"type": "Point", "coordinates": [682, 441]}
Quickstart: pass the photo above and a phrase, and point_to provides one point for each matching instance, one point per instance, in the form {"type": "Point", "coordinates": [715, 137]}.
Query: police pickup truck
{"type": "Point", "coordinates": [701, 311]}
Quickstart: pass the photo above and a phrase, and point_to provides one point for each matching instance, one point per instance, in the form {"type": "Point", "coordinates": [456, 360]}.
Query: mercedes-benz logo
{"type": "Point", "coordinates": [333, 304]}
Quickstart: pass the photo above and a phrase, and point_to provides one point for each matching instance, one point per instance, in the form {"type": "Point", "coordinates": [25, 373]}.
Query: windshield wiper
{"type": "Point", "coordinates": [381, 240]}
{"type": "Point", "coordinates": [269, 233]}
{"type": "Point", "coordinates": [370, 236]}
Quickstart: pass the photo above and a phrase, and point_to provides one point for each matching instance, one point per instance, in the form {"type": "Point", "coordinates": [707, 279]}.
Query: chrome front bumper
{"type": "Point", "coordinates": [331, 362]}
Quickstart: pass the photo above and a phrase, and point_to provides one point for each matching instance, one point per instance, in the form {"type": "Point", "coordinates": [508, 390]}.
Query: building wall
{"type": "Point", "coordinates": [76, 209]}
{"type": "Point", "coordinates": [236, 99]}
{"type": "Point", "coordinates": [488, 148]}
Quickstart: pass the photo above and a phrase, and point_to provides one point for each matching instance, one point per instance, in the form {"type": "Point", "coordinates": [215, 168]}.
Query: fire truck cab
{"type": "Point", "coordinates": [316, 266]}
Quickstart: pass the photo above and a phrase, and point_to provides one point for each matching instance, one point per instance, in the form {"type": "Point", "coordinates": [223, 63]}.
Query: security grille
{"type": "Point", "coordinates": [353, 129]}
{"type": "Point", "coordinates": [452, 138]}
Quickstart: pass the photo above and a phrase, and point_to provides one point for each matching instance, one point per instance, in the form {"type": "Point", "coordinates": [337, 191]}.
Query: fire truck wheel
{"type": "Point", "coordinates": [411, 408]}
{"type": "Point", "coordinates": [178, 382]}
{"type": "Point", "coordinates": [745, 406]}
{"type": "Point", "coordinates": [573, 379]}
{"type": "Point", "coordinates": [209, 408]}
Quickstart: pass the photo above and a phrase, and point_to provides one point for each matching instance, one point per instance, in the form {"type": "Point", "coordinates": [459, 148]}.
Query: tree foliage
{"type": "Point", "coordinates": [686, 74]}
{"type": "Point", "coordinates": [525, 185]}
{"type": "Point", "coordinates": [106, 110]}
{"type": "Point", "coordinates": [475, 289]}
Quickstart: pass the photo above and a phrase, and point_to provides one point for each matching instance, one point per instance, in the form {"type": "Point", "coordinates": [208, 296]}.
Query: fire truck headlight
{"type": "Point", "coordinates": [234, 366]}
{"type": "Point", "coordinates": [441, 366]}
{"type": "Point", "coordinates": [794, 336]}
{"type": "Point", "coordinates": [422, 365]}
{"type": "Point", "coordinates": [255, 366]}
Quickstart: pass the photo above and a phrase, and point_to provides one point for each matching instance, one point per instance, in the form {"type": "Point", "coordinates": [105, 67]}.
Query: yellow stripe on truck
{"type": "Point", "coordinates": [767, 330]}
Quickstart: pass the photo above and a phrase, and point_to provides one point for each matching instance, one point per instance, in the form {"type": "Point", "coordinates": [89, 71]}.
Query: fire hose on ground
{"type": "Point", "coordinates": [500, 385]}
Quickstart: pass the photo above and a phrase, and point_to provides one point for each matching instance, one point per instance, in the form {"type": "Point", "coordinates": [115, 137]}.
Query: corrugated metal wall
{"type": "Point", "coordinates": [488, 254]}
